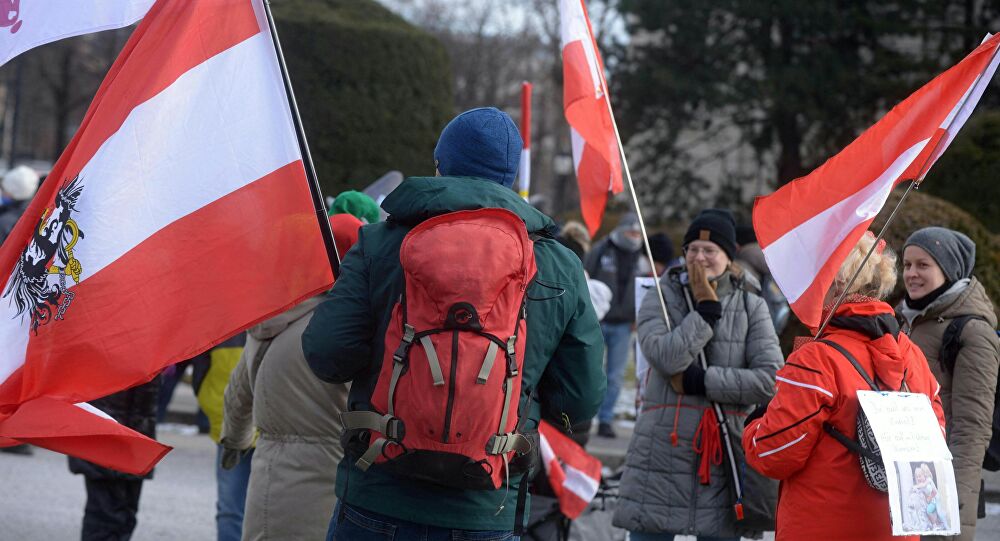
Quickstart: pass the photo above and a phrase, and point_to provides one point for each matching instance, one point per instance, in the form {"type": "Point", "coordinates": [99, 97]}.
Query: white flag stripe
{"type": "Point", "coordinates": [576, 140]}
{"type": "Point", "coordinates": [548, 455]}
{"type": "Point", "coordinates": [44, 21]}
{"type": "Point", "coordinates": [573, 27]}
{"type": "Point", "coordinates": [88, 407]}
{"type": "Point", "coordinates": [963, 109]}
{"type": "Point", "coordinates": [833, 225]}
{"type": "Point", "coordinates": [193, 143]}
{"type": "Point", "coordinates": [579, 483]}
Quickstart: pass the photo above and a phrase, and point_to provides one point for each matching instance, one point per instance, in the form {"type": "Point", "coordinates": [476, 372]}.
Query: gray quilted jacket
{"type": "Point", "coordinates": [660, 488]}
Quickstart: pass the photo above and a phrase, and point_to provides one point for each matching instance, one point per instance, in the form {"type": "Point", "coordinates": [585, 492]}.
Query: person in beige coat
{"type": "Point", "coordinates": [273, 397]}
{"type": "Point", "coordinates": [937, 273]}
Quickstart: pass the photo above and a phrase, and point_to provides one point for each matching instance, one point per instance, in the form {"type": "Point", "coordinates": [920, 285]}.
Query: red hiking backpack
{"type": "Point", "coordinates": [446, 400]}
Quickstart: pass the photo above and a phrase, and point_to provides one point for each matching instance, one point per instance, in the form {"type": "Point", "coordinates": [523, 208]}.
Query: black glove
{"type": "Point", "coordinates": [710, 311]}
{"type": "Point", "coordinates": [756, 414]}
{"type": "Point", "coordinates": [694, 380]}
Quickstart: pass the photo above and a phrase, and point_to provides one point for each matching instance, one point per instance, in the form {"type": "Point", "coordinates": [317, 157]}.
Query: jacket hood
{"type": "Point", "coordinates": [277, 324]}
{"type": "Point", "coordinates": [420, 198]}
{"type": "Point", "coordinates": [874, 323]}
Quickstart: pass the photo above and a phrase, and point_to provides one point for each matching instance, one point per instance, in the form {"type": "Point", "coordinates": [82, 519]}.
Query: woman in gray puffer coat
{"type": "Point", "coordinates": [668, 487]}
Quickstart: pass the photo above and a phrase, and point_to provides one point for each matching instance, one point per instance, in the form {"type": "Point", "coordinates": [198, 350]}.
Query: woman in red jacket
{"type": "Point", "coordinates": [823, 493]}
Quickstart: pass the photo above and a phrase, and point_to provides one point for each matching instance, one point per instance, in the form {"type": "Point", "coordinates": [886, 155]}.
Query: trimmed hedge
{"type": "Point", "coordinates": [374, 91]}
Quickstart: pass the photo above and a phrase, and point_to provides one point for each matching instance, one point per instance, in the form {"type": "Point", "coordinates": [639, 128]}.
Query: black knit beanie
{"type": "Point", "coordinates": [662, 248]}
{"type": "Point", "coordinates": [715, 225]}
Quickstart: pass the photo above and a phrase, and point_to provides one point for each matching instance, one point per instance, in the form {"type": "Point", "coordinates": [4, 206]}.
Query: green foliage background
{"type": "Point", "coordinates": [374, 92]}
{"type": "Point", "coordinates": [968, 174]}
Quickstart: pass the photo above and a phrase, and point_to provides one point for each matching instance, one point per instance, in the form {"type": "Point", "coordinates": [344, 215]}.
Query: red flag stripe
{"type": "Point", "coordinates": [69, 428]}
{"type": "Point", "coordinates": [169, 312]}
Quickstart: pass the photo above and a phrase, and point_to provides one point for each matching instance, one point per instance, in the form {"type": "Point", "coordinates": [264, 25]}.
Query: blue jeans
{"type": "Point", "coordinates": [351, 523]}
{"type": "Point", "coordinates": [232, 496]}
{"type": "Point", "coordinates": [646, 536]}
{"type": "Point", "coordinates": [617, 340]}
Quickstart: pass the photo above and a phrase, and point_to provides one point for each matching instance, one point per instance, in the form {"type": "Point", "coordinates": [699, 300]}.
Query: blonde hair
{"type": "Point", "coordinates": [577, 232]}
{"type": "Point", "coordinates": [878, 276]}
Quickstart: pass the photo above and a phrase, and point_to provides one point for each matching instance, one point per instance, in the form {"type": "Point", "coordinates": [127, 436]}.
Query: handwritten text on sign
{"type": "Point", "coordinates": [905, 426]}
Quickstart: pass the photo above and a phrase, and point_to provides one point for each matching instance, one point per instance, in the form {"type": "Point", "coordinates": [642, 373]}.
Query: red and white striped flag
{"type": "Point", "coordinates": [28, 24]}
{"type": "Point", "coordinates": [178, 215]}
{"type": "Point", "coordinates": [595, 147]}
{"type": "Point", "coordinates": [574, 474]}
{"type": "Point", "coordinates": [807, 227]}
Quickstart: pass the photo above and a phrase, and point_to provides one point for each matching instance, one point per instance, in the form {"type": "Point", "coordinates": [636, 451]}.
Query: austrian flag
{"type": "Point", "coordinates": [807, 227]}
{"type": "Point", "coordinates": [574, 474]}
{"type": "Point", "coordinates": [595, 147]}
{"type": "Point", "coordinates": [178, 216]}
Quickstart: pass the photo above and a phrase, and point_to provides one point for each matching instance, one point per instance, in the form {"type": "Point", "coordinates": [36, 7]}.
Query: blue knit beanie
{"type": "Point", "coordinates": [482, 143]}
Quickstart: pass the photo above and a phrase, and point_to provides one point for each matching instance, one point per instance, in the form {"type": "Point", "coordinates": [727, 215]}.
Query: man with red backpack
{"type": "Point", "coordinates": [461, 322]}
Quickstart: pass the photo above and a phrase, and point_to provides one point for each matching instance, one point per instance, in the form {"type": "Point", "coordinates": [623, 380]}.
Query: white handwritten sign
{"type": "Point", "coordinates": [923, 497]}
{"type": "Point", "coordinates": [905, 425]}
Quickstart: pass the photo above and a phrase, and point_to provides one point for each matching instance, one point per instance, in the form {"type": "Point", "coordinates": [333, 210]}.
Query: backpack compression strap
{"type": "Point", "coordinates": [502, 443]}
{"type": "Point", "coordinates": [389, 425]}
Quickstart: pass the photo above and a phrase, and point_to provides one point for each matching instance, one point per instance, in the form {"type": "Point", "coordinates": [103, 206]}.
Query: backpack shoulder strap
{"type": "Point", "coordinates": [854, 362]}
{"type": "Point", "coordinates": [951, 341]}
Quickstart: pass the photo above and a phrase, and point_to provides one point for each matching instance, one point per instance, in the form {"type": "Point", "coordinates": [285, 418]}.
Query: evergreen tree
{"type": "Point", "coordinates": [743, 95]}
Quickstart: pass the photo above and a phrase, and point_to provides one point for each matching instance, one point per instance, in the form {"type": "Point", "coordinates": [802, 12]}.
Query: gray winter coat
{"type": "Point", "coordinates": [660, 488]}
{"type": "Point", "coordinates": [297, 417]}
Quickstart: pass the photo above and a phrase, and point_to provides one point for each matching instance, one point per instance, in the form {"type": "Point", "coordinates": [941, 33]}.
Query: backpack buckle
{"type": "Point", "coordinates": [409, 333]}
{"type": "Point", "coordinates": [501, 444]}
{"type": "Point", "coordinates": [511, 356]}
{"type": "Point", "coordinates": [395, 431]}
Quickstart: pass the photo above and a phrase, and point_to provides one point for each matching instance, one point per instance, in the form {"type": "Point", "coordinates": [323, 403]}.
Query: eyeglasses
{"type": "Point", "coordinates": [709, 253]}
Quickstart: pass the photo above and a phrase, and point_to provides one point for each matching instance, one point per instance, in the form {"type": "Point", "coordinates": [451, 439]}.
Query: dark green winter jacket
{"type": "Point", "coordinates": [563, 370]}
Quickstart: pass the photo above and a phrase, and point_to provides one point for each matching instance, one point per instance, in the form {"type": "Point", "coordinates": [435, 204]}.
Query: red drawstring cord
{"type": "Point", "coordinates": [708, 444]}
{"type": "Point", "coordinates": [677, 416]}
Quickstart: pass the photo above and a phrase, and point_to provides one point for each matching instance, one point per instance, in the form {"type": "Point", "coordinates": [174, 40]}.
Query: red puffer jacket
{"type": "Point", "coordinates": [823, 492]}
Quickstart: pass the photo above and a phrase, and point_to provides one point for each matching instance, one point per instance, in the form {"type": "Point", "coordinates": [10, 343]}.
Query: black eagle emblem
{"type": "Point", "coordinates": [37, 286]}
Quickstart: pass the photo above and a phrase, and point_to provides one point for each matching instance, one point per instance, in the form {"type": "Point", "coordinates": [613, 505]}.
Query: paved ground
{"type": "Point", "coordinates": [40, 500]}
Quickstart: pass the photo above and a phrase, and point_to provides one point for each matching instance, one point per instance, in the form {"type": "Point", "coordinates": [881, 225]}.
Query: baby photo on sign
{"type": "Point", "coordinates": [925, 507]}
